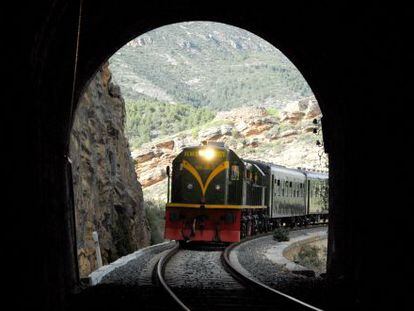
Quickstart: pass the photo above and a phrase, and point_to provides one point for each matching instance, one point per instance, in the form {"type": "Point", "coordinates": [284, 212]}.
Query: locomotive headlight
{"type": "Point", "coordinates": [218, 187]}
{"type": "Point", "coordinates": [207, 153]}
{"type": "Point", "coordinates": [190, 186]}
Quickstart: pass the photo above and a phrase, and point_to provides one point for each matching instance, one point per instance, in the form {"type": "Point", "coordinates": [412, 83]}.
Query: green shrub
{"type": "Point", "coordinates": [273, 112]}
{"type": "Point", "coordinates": [235, 133]}
{"type": "Point", "coordinates": [281, 234]}
{"type": "Point", "coordinates": [155, 213]}
{"type": "Point", "coordinates": [308, 256]}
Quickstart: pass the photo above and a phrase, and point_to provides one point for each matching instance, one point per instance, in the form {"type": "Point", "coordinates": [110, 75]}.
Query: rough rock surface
{"type": "Point", "coordinates": [284, 138]}
{"type": "Point", "coordinates": [108, 196]}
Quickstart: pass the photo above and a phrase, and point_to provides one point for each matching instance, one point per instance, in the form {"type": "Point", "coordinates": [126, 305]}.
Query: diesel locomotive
{"type": "Point", "coordinates": [218, 197]}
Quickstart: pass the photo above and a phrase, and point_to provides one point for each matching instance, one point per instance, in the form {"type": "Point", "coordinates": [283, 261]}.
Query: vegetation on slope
{"type": "Point", "coordinates": [155, 214]}
{"type": "Point", "coordinates": [148, 119]}
{"type": "Point", "coordinates": [206, 64]}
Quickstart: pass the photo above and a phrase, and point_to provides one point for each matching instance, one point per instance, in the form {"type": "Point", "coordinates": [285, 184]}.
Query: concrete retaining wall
{"type": "Point", "coordinates": [96, 276]}
{"type": "Point", "coordinates": [283, 253]}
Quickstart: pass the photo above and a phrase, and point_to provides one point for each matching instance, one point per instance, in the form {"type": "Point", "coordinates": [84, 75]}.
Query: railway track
{"type": "Point", "coordinates": [219, 286]}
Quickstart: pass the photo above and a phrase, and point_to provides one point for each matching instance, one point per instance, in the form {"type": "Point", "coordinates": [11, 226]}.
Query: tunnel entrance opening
{"type": "Point", "coordinates": [131, 96]}
{"type": "Point", "coordinates": [355, 59]}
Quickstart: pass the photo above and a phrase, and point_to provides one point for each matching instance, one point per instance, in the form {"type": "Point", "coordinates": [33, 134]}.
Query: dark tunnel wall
{"type": "Point", "coordinates": [353, 59]}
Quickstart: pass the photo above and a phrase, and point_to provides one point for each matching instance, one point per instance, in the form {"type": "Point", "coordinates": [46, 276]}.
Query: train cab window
{"type": "Point", "coordinates": [235, 172]}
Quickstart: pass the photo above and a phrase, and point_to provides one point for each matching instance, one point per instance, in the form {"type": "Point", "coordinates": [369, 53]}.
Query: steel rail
{"type": "Point", "coordinates": [161, 280]}
{"type": "Point", "coordinates": [283, 300]}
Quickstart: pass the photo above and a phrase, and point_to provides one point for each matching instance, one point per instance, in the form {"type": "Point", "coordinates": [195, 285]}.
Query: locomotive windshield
{"type": "Point", "coordinates": [199, 175]}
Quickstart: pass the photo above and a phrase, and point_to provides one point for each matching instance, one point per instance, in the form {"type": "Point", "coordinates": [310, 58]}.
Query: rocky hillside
{"type": "Point", "coordinates": [108, 197]}
{"type": "Point", "coordinates": [206, 64]}
{"type": "Point", "coordinates": [283, 137]}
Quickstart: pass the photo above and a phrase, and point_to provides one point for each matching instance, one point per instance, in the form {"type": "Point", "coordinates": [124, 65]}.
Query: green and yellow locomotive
{"type": "Point", "coordinates": [216, 196]}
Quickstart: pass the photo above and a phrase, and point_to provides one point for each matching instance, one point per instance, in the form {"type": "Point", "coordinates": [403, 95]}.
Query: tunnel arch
{"type": "Point", "coordinates": [88, 67]}
{"type": "Point", "coordinates": [258, 41]}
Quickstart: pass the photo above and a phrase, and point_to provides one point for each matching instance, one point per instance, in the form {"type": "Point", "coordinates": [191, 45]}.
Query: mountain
{"type": "Point", "coordinates": [206, 64]}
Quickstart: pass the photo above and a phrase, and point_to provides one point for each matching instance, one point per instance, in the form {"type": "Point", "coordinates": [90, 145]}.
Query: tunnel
{"type": "Point", "coordinates": [351, 56]}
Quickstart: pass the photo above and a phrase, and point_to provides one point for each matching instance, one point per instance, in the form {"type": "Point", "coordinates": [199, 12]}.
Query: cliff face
{"type": "Point", "coordinates": [284, 137]}
{"type": "Point", "coordinates": [108, 197]}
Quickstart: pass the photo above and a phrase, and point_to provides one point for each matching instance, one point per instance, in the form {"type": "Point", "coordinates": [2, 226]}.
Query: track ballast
{"type": "Point", "coordinates": [207, 280]}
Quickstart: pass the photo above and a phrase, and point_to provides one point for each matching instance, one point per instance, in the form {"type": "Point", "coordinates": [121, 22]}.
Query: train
{"type": "Point", "coordinates": [215, 196]}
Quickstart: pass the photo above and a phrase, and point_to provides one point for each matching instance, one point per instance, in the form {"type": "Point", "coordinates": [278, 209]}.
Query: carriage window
{"type": "Point", "coordinates": [235, 172]}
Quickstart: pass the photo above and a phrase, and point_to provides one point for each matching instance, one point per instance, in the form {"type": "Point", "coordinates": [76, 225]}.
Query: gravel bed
{"type": "Point", "coordinates": [200, 280]}
{"type": "Point", "coordinates": [137, 272]}
{"type": "Point", "coordinates": [127, 287]}
{"type": "Point", "coordinates": [200, 270]}
{"type": "Point", "coordinates": [250, 256]}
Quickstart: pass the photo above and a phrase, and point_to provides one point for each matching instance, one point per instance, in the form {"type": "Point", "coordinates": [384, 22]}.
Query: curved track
{"type": "Point", "coordinates": [238, 291]}
{"type": "Point", "coordinates": [160, 277]}
{"type": "Point", "coordinates": [281, 300]}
